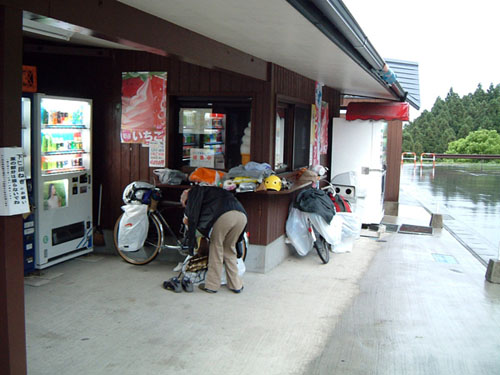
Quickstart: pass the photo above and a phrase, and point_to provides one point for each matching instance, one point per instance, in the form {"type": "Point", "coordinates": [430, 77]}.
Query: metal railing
{"type": "Point", "coordinates": [413, 156]}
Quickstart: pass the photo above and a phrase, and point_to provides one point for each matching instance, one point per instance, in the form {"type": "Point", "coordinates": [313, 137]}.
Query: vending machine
{"type": "Point", "coordinates": [203, 136]}
{"type": "Point", "coordinates": [29, 218]}
{"type": "Point", "coordinates": [62, 178]}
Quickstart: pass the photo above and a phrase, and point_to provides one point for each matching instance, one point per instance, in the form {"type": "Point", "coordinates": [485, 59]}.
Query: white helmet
{"type": "Point", "coordinates": [319, 169]}
{"type": "Point", "coordinates": [134, 193]}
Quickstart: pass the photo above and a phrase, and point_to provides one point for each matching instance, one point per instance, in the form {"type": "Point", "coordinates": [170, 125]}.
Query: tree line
{"type": "Point", "coordinates": [466, 125]}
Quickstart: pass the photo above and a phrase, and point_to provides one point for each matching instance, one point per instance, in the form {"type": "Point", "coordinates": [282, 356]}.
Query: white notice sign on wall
{"type": "Point", "coordinates": [13, 192]}
{"type": "Point", "coordinates": [201, 157]}
{"type": "Point", "coordinates": [157, 153]}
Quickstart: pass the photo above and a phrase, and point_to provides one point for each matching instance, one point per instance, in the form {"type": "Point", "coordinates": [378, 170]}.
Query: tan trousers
{"type": "Point", "coordinates": [225, 233]}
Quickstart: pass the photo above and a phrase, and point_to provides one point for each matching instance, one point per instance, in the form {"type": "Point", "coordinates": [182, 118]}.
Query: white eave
{"type": "Point", "coordinates": [276, 31]}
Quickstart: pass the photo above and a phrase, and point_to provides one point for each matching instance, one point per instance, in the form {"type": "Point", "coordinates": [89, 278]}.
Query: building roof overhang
{"type": "Point", "coordinates": [318, 39]}
{"type": "Point", "coordinates": [299, 35]}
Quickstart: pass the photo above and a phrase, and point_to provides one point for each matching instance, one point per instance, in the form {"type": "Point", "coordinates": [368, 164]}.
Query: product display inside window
{"type": "Point", "coordinates": [211, 132]}
{"type": "Point", "coordinates": [65, 135]}
{"type": "Point", "coordinates": [203, 137]}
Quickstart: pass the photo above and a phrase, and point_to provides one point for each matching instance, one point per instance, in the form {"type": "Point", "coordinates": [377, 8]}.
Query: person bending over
{"type": "Point", "coordinates": [218, 215]}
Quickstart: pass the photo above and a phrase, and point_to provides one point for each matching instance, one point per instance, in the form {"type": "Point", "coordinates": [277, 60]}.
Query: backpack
{"type": "Point", "coordinates": [341, 204]}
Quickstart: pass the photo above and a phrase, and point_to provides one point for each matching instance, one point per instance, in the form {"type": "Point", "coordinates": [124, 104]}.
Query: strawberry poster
{"type": "Point", "coordinates": [143, 107]}
{"type": "Point", "coordinates": [316, 125]}
{"type": "Point", "coordinates": [324, 128]}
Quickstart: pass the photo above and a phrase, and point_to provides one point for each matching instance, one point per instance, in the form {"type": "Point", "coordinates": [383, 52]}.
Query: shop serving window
{"type": "Point", "coordinates": [211, 131]}
{"type": "Point", "coordinates": [292, 136]}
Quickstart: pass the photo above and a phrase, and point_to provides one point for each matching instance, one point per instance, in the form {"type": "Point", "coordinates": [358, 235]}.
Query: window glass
{"type": "Point", "coordinates": [203, 137]}
{"type": "Point", "coordinates": [301, 136]}
{"type": "Point", "coordinates": [279, 147]}
{"type": "Point", "coordinates": [211, 131]}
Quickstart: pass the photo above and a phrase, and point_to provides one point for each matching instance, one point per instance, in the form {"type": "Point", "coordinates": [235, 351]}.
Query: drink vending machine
{"type": "Point", "coordinates": [28, 219]}
{"type": "Point", "coordinates": [62, 172]}
{"type": "Point", "coordinates": [204, 136]}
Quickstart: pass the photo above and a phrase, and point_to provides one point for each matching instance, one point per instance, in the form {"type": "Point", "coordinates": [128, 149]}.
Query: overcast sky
{"type": "Point", "coordinates": [455, 42]}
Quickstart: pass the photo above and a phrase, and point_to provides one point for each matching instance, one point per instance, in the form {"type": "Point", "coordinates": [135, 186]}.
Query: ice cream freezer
{"type": "Point", "coordinates": [62, 176]}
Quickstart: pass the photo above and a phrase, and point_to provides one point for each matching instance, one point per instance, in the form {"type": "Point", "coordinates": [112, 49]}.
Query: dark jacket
{"type": "Point", "coordinates": [204, 206]}
{"type": "Point", "coordinates": [317, 201]}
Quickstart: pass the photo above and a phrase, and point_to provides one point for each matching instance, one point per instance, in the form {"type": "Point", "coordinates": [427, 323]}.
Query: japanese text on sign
{"type": "Point", "coordinates": [14, 196]}
{"type": "Point", "coordinates": [157, 153]}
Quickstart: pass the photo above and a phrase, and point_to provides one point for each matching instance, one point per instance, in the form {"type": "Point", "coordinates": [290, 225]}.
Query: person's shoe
{"type": "Point", "coordinates": [202, 287]}
{"type": "Point", "coordinates": [187, 284]}
{"type": "Point", "coordinates": [173, 284]}
{"type": "Point", "coordinates": [237, 290]}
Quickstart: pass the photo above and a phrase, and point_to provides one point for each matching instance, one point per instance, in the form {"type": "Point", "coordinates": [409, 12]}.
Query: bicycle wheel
{"type": "Point", "coordinates": [321, 247]}
{"type": "Point", "coordinates": [244, 252]}
{"type": "Point", "coordinates": [151, 246]}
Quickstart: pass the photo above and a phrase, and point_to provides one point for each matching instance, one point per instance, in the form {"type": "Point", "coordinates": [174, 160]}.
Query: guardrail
{"type": "Point", "coordinates": [467, 156]}
{"type": "Point", "coordinates": [428, 156]}
{"type": "Point", "coordinates": [412, 157]}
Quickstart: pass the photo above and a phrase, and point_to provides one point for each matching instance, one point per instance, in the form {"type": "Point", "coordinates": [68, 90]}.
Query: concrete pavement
{"type": "Point", "coordinates": [375, 310]}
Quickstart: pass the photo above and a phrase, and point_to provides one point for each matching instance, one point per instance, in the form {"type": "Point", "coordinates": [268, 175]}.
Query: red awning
{"type": "Point", "coordinates": [378, 111]}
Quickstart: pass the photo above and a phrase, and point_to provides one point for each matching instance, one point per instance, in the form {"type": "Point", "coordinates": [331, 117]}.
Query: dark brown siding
{"type": "Point", "coordinates": [394, 141]}
{"type": "Point", "coordinates": [293, 85]}
{"type": "Point", "coordinates": [117, 164]}
{"type": "Point", "coordinates": [332, 97]}
{"type": "Point", "coordinates": [12, 325]}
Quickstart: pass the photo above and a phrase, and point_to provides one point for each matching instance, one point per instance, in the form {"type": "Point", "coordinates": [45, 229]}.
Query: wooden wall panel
{"type": "Point", "coordinates": [393, 174]}
{"type": "Point", "coordinates": [117, 164]}
{"type": "Point", "coordinates": [12, 323]}
{"type": "Point", "coordinates": [332, 97]}
{"type": "Point", "coordinates": [293, 85]}
{"type": "Point", "coordinates": [183, 79]}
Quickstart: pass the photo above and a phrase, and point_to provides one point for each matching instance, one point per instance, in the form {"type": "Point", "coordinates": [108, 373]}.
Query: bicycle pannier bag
{"type": "Point", "coordinates": [341, 204]}
{"type": "Point", "coordinates": [134, 227]}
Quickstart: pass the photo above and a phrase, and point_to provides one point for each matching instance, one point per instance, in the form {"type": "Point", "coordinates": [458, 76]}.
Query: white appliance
{"type": "Point", "coordinates": [62, 175]}
{"type": "Point", "coordinates": [359, 152]}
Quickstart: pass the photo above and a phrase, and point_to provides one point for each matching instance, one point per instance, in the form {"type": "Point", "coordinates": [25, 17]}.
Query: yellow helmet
{"type": "Point", "coordinates": [273, 183]}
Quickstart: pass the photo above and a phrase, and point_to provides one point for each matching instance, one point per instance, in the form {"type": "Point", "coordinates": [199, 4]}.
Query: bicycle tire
{"type": "Point", "coordinates": [321, 247]}
{"type": "Point", "coordinates": [244, 252]}
{"type": "Point", "coordinates": [151, 247]}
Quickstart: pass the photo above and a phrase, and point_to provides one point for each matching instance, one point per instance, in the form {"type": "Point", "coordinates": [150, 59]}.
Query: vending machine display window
{"type": "Point", "coordinates": [55, 194]}
{"type": "Point", "coordinates": [210, 130]}
{"type": "Point", "coordinates": [62, 160]}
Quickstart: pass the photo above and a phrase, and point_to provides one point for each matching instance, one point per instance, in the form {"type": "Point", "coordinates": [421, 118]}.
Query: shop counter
{"type": "Point", "coordinates": [267, 210]}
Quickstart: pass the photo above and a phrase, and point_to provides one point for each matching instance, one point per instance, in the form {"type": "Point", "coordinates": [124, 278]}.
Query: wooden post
{"type": "Point", "coordinates": [394, 142]}
{"type": "Point", "coordinates": [12, 331]}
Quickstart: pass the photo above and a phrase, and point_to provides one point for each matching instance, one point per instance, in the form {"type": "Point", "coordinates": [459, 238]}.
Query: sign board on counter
{"type": "Point", "coordinates": [13, 191]}
{"type": "Point", "coordinates": [201, 157]}
{"type": "Point", "coordinates": [157, 153]}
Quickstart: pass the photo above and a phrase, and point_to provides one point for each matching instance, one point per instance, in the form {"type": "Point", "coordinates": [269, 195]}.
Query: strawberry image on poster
{"type": "Point", "coordinates": [130, 86]}
{"type": "Point", "coordinates": [143, 106]}
{"type": "Point", "coordinates": [159, 87]}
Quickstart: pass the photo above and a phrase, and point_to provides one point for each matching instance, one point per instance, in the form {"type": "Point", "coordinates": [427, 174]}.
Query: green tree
{"type": "Point", "coordinates": [453, 118]}
{"type": "Point", "coordinates": [482, 142]}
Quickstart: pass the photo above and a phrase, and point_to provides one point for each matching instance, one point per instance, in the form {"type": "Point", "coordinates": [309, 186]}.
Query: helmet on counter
{"type": "Point", "coordinates": [273, 182]}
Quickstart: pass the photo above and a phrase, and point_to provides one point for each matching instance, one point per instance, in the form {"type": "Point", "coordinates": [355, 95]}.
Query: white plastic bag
{"type": "Point", "coordinates": [351, 230]}
{"type": "Point", "coordinates": [170, 176]}
{"type": "Point", "coordinates": [332, 232]}
{"type": "Point", "coordinates": [134, 227]}
{"type": "Point", "coordinates": [351, 227]}
{"type": "Point", "coordinates": [199, 277]}
{"type": "Point", "coordinates": [241, 271]}
{"type": "Point", "coordinates": [297, 231]}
